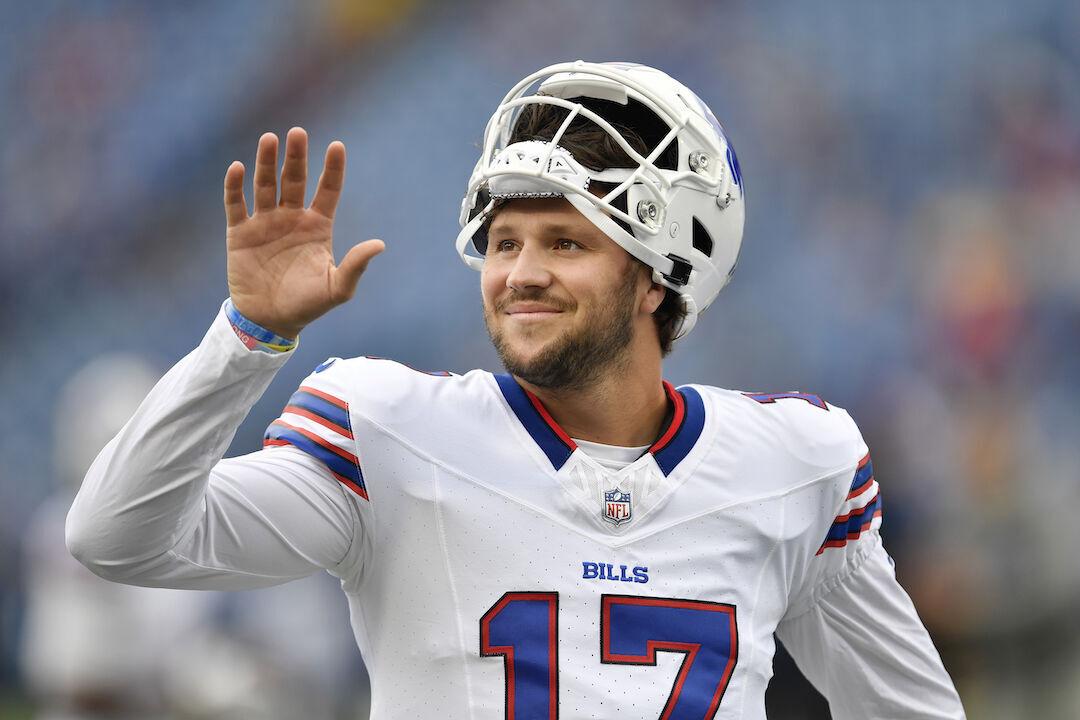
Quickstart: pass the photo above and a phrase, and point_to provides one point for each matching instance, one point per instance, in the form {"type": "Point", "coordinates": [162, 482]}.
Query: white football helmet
{"type": "Point", "coordinates": [686, 223]}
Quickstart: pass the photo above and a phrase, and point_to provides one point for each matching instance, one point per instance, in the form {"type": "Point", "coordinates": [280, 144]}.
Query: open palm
{"type": "Point", "coordinates": [281, 266]}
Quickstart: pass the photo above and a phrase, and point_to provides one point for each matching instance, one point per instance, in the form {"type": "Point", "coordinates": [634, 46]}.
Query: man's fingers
{"type": "Point", "coordinates": [266, 172]}
{"type": "Point", "coordinates": [235, 205]}
{"type": "Point", "coordinates": [294, 171]}
{"type": "Point", "coordinates": [347, 274]}
{"type": "Point", "coordinates": [331, 180]}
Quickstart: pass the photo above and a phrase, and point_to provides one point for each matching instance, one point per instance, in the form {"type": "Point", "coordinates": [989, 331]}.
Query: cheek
{"type": "Point", "coordinates": [491, 284]}
{"type": "Point", "coordinates": [603, 286]}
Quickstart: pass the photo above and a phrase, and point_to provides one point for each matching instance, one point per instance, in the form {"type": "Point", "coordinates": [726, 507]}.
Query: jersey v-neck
{"type": "Point", "coordinates": [687, 420]}
{"type": "Point", "coordinates": [613, 457]}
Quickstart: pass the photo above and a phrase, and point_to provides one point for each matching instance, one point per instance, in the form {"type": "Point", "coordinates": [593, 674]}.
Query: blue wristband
{"type": "Point", "coordinates": [255, 336]}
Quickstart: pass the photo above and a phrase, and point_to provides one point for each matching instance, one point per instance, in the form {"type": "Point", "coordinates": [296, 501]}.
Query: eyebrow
{"type": "Point", "coordinates": [555, 229]}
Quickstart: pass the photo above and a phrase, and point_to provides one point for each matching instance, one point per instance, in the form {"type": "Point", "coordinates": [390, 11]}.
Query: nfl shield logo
{"type": "Point", "coordinates": [617, 506]}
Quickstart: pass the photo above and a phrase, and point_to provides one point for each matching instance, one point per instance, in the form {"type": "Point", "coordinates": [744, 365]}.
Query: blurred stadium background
{"type": "Point", "coordinates": [912, 253]}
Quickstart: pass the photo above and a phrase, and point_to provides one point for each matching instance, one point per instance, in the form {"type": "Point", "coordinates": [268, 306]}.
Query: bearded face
{"type": "Point", "coordinates": [579, 352]}
{"type": "Point", "coordinates": [560, 297]}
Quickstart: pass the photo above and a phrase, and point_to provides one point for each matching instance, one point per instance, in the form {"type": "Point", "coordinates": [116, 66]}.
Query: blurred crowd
{"type": "Point", "coordinates": [912, 253]}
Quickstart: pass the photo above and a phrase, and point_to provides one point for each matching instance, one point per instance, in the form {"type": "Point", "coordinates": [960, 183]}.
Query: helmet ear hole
{"type": "Point", "coordinates": [480, 237]}
{"type": "Point", "coordinates": [618, 202]}
{"type": "Point", "coordinates": [480, 241]}
{"type": "Point", "coordinates": [701, 239]}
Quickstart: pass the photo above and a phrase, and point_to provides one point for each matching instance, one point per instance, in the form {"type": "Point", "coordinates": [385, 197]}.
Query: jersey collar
{"type": "Point", "coordinates": [687, 419]}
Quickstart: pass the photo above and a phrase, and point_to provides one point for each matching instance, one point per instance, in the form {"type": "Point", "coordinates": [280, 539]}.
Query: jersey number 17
{"type": "Point", "coordinates": [522, 628]}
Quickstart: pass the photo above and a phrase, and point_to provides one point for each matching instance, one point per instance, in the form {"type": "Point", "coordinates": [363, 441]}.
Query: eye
{"type": "Point", "coordinates": [566, 244]}
{"type": "Point", "coordinates": [504, 245]}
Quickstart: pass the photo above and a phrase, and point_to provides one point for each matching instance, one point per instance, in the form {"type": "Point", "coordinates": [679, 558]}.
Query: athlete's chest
{"type": "Point", "coordinates": [525, 509]}
{"type": "Point", "coordinates": [605, 538]}
{"type": "Point", "coordinates": [675, 614]}
{"type": "Point", "coordinates": [646, 592]}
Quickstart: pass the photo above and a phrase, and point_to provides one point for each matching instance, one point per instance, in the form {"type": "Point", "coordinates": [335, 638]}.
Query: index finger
{"type": "Point", "coordinates": [331, 181]}
{"type": "Point", "coordinates": [235, 206]}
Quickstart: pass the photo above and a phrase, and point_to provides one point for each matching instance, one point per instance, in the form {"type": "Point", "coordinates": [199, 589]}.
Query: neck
{"type": "Point", "coordinates": [625, 406]}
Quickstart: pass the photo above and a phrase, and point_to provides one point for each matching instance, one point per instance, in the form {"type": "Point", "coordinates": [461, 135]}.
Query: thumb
{"type": "Point", "coordinates": [345, 276]}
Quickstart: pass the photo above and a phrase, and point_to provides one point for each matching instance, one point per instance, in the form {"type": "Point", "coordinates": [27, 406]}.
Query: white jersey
{"type": "Point", "coordinates": [494, 570]}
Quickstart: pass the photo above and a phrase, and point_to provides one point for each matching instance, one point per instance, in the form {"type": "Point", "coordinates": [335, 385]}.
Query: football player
{"type": "Point", "coordinates": [575, 538]}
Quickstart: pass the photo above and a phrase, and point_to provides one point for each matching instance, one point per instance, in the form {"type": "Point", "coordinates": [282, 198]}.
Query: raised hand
{"type": "Point", "coordinates": [281, 257]}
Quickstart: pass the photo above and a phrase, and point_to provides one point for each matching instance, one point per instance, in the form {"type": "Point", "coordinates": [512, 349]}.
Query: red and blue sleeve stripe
{"type": "Point", "coordinates": [330, 416]}
{"type": "Point", "coordinates": [864, 477]}
{"type": "Point", "coordinates": [320, 407]}
{"type": "Point", "coordinates": [850, 526]}
{"type": "Point", "coordinates": [864, 501]}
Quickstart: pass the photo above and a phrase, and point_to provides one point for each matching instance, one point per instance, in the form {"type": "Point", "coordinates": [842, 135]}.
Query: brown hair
{"type": "Point", "coordinates": [594, 147]}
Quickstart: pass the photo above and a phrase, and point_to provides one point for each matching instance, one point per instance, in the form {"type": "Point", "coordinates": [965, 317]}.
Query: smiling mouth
{"type": "Point", "coordinates": [527, 307]}
{"type": "Point", "coordinates": [533, 314]}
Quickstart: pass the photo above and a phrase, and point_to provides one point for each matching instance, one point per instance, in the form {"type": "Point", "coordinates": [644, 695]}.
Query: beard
{"type": "Point", "coordinates": [580, 356]}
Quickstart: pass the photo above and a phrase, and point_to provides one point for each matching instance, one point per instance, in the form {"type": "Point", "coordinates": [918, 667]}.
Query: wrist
{"type": "Point", "coordinates": [255, 316]}
{"type": "Point", "coordinates": [255, 336]}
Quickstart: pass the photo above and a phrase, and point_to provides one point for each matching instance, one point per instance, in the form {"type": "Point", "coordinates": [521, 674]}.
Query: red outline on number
{"type": "Point", "coordinates": [652, 646]}
{"type": "Point", "coordinates": [507, 651]}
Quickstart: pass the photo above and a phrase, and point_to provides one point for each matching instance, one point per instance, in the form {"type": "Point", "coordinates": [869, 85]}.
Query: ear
{"type": "Point", "coordinates": [653, 297]}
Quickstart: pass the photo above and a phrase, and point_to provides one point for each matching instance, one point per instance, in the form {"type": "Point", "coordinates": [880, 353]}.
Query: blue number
{"type": "Point", "coordinates": [767, 398]}
{"type": "Point", "coordinates": [633, 629]}
{"type": "Point", "coordinates": [521, 628]}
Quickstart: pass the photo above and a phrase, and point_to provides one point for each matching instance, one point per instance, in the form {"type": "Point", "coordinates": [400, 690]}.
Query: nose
{"type": "Point", "coordinates": [529, 269]}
